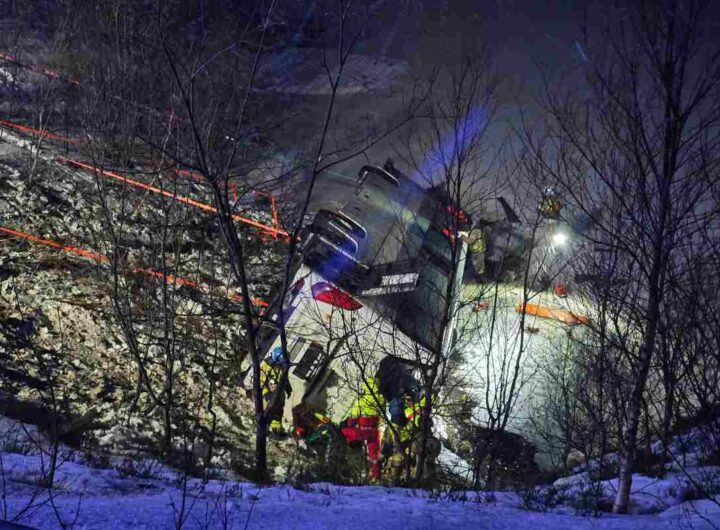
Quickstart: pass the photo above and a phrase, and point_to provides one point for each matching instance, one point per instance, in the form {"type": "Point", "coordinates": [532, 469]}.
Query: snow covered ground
{"type": "Point", "coordinates": [301, 71]}
{"type": "Point", "coordinates": [89, 498]}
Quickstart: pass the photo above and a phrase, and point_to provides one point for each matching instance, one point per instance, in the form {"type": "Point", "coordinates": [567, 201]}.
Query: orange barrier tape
{"type": "Point", "coordinates": [274, 231]}
{"type": "Point", "coordinates": [37, 132]}
{"type": "Point", "coordinates": [561, 315]}
{"type": "Point", "coordinates": [273, 205]}
{"type": "Point", "coordinates": [197, 177]}
{"type": "Point", "coordinates": [177, 280]}
{"type": "Point", "coordinates": [180, 198]}
{"type": "Point", "coordinates": [233, 188]}
{"type": "Point", "coordinates": [48, 72]}
{"type": "Point", "coordinates": [188, 173]}
{"type": "Point", "coordinates": [276, 218]}
{"type": "Point", "coordinates": [99, 258]}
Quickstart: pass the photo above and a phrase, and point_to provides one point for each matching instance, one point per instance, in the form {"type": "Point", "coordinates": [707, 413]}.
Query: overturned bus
{"type": "Point", "coordinates": [378, 277]}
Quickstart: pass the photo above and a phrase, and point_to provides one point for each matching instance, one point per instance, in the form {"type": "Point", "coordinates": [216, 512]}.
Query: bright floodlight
{"type": "Point", "coordinates": [560, 238]}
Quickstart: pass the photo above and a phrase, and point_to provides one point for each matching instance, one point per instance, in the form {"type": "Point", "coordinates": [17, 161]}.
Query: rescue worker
{"type": "Point", "coordinates": [273, 395]}
{"type": "Point", "coordinates": [405, 439]}
{"type": "Point", "coordinates": [363, 423]}
{"type": "Point", "coordinates": [396, 447]}
{"type": "Point", "coordinates": [477, 246]}
{"type": "Point", "coordinates": [414, 414]}
{"type": "Point", "coordinates": [550, 206]}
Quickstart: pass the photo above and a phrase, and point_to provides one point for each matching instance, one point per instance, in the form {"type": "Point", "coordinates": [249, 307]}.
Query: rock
{"type": "Point", "coordinates": [574, 458]}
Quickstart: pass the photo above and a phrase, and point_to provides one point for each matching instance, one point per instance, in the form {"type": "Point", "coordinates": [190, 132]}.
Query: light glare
{"type": "Point", "coordinates": [560, 238]}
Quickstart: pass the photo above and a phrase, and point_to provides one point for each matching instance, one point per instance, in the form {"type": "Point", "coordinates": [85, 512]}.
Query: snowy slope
{"type": "Point", "coordinates": [104, 498]}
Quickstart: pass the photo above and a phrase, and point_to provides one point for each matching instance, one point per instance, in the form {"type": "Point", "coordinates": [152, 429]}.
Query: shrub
{"type": "Point", "coordinates": [588, 500]}
{"type": "Point", "coordinates": [542, 498]}
{"type": "Point", "coordinates": [146, 468]}
{"type": "Point", "coordinates": [701, 486]}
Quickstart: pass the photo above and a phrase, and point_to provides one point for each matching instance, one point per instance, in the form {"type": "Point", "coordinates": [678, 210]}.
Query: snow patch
{"type": "Point", "coordinates": [97, 496]}
{"type": "Point", "coordinates": [6, 76]}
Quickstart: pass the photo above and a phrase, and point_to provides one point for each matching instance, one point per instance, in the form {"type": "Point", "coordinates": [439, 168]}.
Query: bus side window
{"type": "Point", "coordinates": [296, 348]}
{"type": "Point", "coordinates": [311, 362]}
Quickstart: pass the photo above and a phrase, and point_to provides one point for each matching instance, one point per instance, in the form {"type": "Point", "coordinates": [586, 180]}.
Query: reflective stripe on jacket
{"type": "Point", "coordinates": [414, 414]}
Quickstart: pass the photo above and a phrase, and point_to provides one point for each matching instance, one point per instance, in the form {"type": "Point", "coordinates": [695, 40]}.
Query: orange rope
{"type": "Point", "coordinates": [273, 209]}
{"type": "Point", "coordinates": [48, 72]}
{"type": "Point", "coordinates": [177, 280]}
{"type": "Point", "coordinates": [99, 258]}
{"type": "Point", "coordinates": [233, 189]}
{"type": "Point", "coordinates": [187, 173]}
{"type": "Point", "coordinates": [37, 132]}
{"type": "Point", "coordinates": [274, 231]}
{"type": "Point", "coordinates": [276, 219]}
{"type": "Point", "coordinates": [165, 193]}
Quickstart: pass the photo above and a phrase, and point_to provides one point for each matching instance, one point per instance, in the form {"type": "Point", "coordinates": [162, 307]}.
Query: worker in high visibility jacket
{"type": "Point", "coordinates": [414, 414]}
{"type": "Point", "coordinates": [407, 439]}
{"type": "Point", "coordinates": [477, 247]}
{"type": "Point", "coordinates": [550, 205]}
{"type": "Point", "coordinates": [363, 423]}
{"type": "Point", "coordinates": [272, 391]}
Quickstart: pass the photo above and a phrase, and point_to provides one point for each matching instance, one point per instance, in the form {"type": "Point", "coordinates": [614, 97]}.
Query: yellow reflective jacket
{"type": "Point", "coordinates": [369, 403]}
{"type": "Point", "coordinates": [269, 377]}
{"type": "Point", "coordinates": [476, 241]}
{"type": "Point", "coordinates": [413, 413]}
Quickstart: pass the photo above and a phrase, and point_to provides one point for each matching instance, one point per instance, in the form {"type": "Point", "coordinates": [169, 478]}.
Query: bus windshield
{"type": "Point", "coordinates": [401, 254]}
{"type": "Point", "coordinates": [419, 313]}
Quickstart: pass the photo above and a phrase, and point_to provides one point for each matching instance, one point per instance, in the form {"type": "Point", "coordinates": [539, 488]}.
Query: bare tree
{"type": "Point", "coordinates": [211, 122]}
{"type": "Point", "coordinates": [447, 151]}
{"type": "Point", "coordinates": [635, 152]}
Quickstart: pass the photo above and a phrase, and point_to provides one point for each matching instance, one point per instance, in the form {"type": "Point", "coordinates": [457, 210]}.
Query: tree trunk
{"type": "Point", "coordinates": [668, 413]}
{"type": "Point", "coordinates": [425, 427]}
{"type": "Point", "coordinates": [622, 497]}
{"type": "Point", "coordinates": [635, 407]}
{"type": "Point", "coordinates": [261, 471]}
